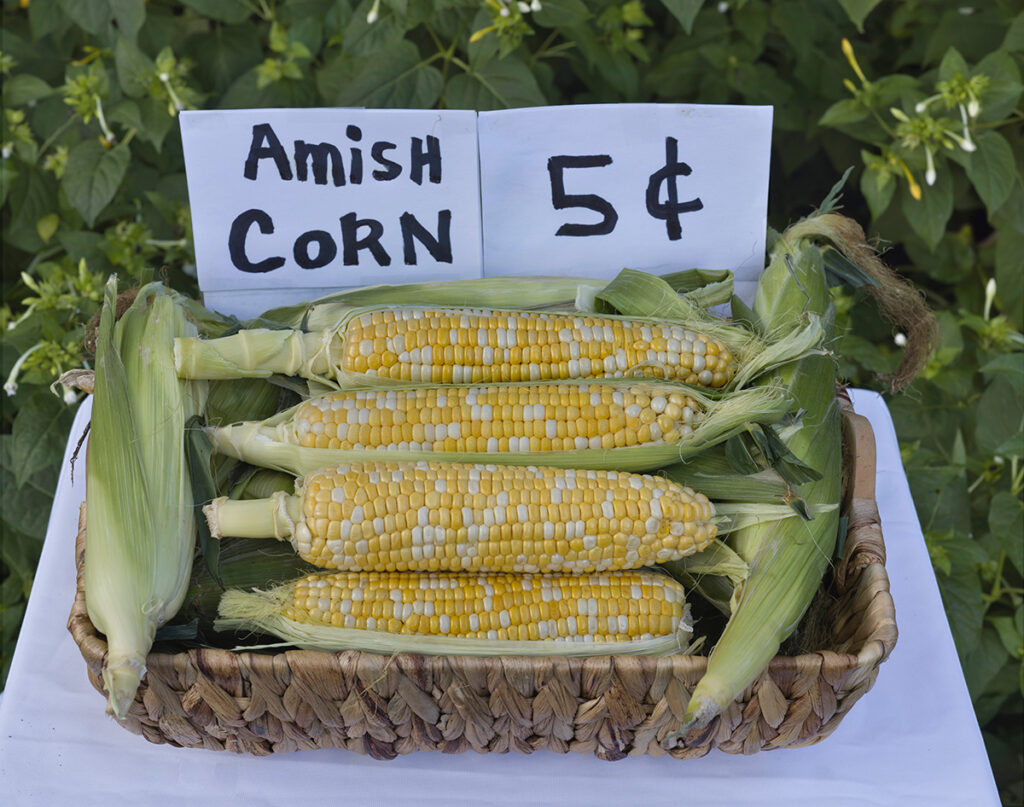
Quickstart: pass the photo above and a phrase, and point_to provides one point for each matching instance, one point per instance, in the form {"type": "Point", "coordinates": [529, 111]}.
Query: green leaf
{"type": "Point", "coordinates": [24, 88]}
{"type": "Point", "coordinates": [496, 84]}
{"type": "Point", "coordinates": [1000, 413]}
{"type": "Point", "coordinates": [93, 175]}
{"type": "Point", "coordinates": [94, 16]}
{"type": "Point", "coordinates": [1011, 213]}
{"type": "Point", "coordinates": [39, 434]}
{"type": "Point", "coordinates": [849, 110]}
{"type": "Point", "coordinates": [965, 608]}
{"type": "Point", "coordinates": [992, 169]}
{"type": "Point", "coordinates": [1008, 635]}
{"type": "Point", "coordinates": [1009, 363]}
{"type": "Point", "coordinates": [245, 93]}
{"type": "Point", "coordinates": [225, 53]}
{"type": "Point", "coordinates": [20, 553]}
{"type": "Point", "coordinates": [999, 99]}
{"type": "Point", "coordinates": [43, 19]}
{"type": "Point", "coordinates": [26, 508]}
{"type": "Point", "coordinates": [984, 662]}
{"type": "Point", "coordinates": [32, 195]}
{"type": "Point", "coordinates": [148, 115]}
{"type": "Point", "coordinates": [1014, 40]}
{"type": "Point", "coordinates": [134, 68]}
{"type": "Point", "coordinates": [858, 10]}
{"type": "Point", "coordinates": [685, 11]}
{"type": "Point", "coordinates": [222, 10]}
{"type": "Point", "coordinates": [1009, 271]}
{"type": "Point", "coordinates": [396, 78]}
{"type": "Point", "coordinates": [1006, 521]}
{"type": "Point", "coordinates": [953, 63]}
{"type": "Point", "coordinates": [928, 216]}
{"type": "Point", "coordinates": [47, 226]}
{"type": "Point", "coordinates": [129, 16]}
{"type": "Point", "coordinates": [952, 261]}
{"type": "Point", "coordinates": [878, 189]}
{"type": "Point", "coordinates": [309, 34]}
{"type": "Point", "coordinates": [561, 13]}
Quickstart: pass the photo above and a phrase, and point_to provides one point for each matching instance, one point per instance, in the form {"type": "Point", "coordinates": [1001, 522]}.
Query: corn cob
{"type": "Point", "coordinates": [488, 614]}
{"type": "Point", "coordinates": [445, 345]}
{"type": "Point", "coordinates": [518, 418]}
{"type": "Point", "coordinates": [449, 517]}
{"type": "Point", "coordinates": [618, 423]}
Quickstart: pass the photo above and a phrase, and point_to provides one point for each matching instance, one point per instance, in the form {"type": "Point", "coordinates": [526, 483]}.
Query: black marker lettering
{"type": "Point", "coordinates": [391, 168]}
{"type": "Point", "coordinates": [263, 133]}
{"type": "Point", "coordinates": [431, 157]}
{"type": "Point", "coordinates": [562, 200]}
{"type": "Point", "coordinates": [351, 243]}
{"type": "Point", "coordinates": [236, 242]}
{"type": "Point", "coordinates": [440, 248]}
{"type": "Point", "coordinates": [320, 154]}
{"type": "Point", "coordinates": [327, 250]}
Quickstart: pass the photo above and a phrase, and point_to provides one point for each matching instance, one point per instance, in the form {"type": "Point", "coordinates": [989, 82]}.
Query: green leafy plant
{"type": "Point", "coordinates": [924, 102]}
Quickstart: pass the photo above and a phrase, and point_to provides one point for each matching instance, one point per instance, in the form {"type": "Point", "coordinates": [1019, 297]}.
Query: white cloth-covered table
{"type": "Point", "coordinates": [912, 740]}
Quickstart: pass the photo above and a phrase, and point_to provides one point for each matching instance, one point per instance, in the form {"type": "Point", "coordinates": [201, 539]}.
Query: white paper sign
{"type": "Point", "coordinates": [290, 203]}
{"type": "Point", "coordinates": [588, 190]}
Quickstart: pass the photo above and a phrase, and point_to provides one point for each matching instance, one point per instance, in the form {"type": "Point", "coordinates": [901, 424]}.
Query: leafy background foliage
{"type": "Point", "coordinates": [924, 102]}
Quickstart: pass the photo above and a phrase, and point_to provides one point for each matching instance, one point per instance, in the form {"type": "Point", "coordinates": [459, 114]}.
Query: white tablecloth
{"type": "Point", "coordinates": [912, 740]}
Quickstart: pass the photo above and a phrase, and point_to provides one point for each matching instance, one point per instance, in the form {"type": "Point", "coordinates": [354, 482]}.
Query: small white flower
{"type": "Point", "coordinates": [990, 296]}
{"type": "Point", "coordinates": [6, 151]}
{"type": "Point", "coordinates": [371, 17]}
{"type": "Point", "coordinates": [973, 107]}
{"type": "Point", "coordinates": [723, 7]}
{"type": "Point", "coordinates": [165, 77]}
{"type": "Point", "coordinates": [535, 6]}
{"type": "Point", "coordinates": [900, 339]}
{"type": "Point", "coordinates": [11, 385]}
{"type": "Point", "coordinates": [929, 174]}
{"type": "Point", "coordinates": [504, 11]}
{"type": "Point", "coordinates": [524, 8]}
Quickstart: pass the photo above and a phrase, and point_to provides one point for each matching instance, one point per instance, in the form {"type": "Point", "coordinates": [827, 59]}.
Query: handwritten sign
{"type": "Point", "coordinates": [287, 204]}
{"type": "Point", "coordinates": [291, 204]}
{"type": "Point", "coordinates": [588, 190]}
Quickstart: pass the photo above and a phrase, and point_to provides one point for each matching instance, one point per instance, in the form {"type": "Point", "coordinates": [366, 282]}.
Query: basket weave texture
{"type": "Point", "coordinates": [612, 707]}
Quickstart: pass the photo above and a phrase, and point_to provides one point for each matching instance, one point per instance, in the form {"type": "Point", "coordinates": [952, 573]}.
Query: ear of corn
{"type": "Point", "coordinates": [787, 558]}
{"type": "Point", "coordinates": [388, 516]}
{"type": "Point", "coordinates": [621, 424]}
{"type": "Point", "coordinates": [140, 525]}
{"type": "Point", "coordinates": [409, 345]}
{"type": "Point", "coordinates": [452, 345]}
{"type": "Point", "coordinates": [464, 614]}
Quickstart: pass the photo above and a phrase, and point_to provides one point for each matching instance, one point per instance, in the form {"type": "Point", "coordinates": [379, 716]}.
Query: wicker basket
{"type": "Point", "coordinates": [613, 706]}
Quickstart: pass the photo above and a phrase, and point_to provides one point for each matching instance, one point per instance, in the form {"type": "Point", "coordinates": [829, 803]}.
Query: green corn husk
{"type": "Point", "coordinates": [716, 573]}
{"type": "Point", "coordinates": [319, 355]}
{"type": "Point", "coordinates": [788, 558]}
{"type": "Point", "coordinates": [140, 527]}
{"type": "Point", "coordinates": [273, 443]}
{"type": "Point", "coordinates": [232, 400]}
{"type": "Point", "coordinates": [242, 564]}
{"type": "Point", "coordinates": [704, 288]}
